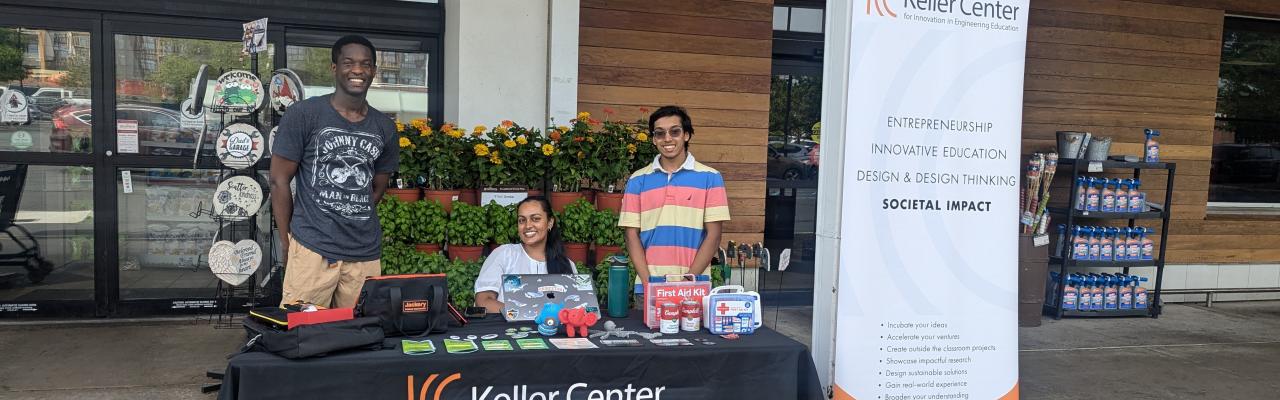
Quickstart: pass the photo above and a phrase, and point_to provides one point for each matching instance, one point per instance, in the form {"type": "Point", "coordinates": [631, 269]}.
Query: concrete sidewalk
{"type": "Point", "coordinates": [1229, 351]}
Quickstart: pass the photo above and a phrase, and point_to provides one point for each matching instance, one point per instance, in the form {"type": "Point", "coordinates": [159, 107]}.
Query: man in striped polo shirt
{"type": "Point", "coordinates": [673, 208]}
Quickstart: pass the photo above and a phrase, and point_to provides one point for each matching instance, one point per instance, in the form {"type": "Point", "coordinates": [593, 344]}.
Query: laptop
{"type": "Point", "coordinates": [525, 294]}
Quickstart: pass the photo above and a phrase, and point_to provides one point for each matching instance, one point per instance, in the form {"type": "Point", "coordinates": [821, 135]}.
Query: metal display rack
{"type": "Point", "coordinates": [224, 316]}
{"type": "Point", "coordinates": [1064, 261]}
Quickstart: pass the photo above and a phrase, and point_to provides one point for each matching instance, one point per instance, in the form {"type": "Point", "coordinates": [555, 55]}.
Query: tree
{"type": "Point", "coordinates": [795, 105]}
{"type": "Point", "coordinates": [12, 51]}
{"type": "Point", "coordinates": [1249, 88]}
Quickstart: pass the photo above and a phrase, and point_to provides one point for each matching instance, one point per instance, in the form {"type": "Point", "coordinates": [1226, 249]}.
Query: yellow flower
{"type": "Point", "coordinates": [583, 116]}
{"type": "Point", "coordinates": [581, 155]}
{"type": "Point", "coordinates": [481, 150]}
{"type": "Point", "coordinates": [502, 130]}
{"type": "Point", "coordinates": [404, 142]}
{"type": "Point", "coordinates": [522, 140]}
{"type": "Point", "coordinates": [399, 127]}
{"type": "Point", "coordinates": [509, 143]}
{"type": "Point", "coordinates": [493, 158]}
{"type": "Point", "coordinates": [631, 148]}
{"type": "Point", "coordinates": [642, 137]}
{"type": "Point", "coordinates": [455, 133]}
{"type": "Point", "coordinates": [419, 124]}
{"type": "Point", "coordinates": [591, 139]}
{"type": "Point", "coordinates": [548, 150]}
{"type": "Point", "coordinates": [425, 132]}
{"type": "Point", "coordinates": [562, 128]}
{"type": "Point", "coordinates": [479, 129]}
{"type": "Point", "coordinates": [458, 133]}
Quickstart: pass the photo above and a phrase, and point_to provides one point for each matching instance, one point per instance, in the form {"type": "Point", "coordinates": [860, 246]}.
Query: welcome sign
{"type": "Point", "coordinates": [928, 277]}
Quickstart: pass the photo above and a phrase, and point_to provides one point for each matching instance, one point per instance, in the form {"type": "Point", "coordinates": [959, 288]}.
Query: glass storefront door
{"type": "Point", "coordinates": [47, 166]}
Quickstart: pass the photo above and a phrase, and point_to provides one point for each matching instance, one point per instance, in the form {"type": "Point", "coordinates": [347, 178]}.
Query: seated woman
{"type": "Point", "coordinates": [540, 251]}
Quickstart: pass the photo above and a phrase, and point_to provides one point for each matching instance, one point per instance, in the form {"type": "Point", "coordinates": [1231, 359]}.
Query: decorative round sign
{"type": "Point", "coordinates": [286, 89]}
{"type": "Point", "coordinates": [239, 146]}
{"type": "Point", "coordinates": [223, 262]}
{"type": "Point", "coordinates": [237, 92]}
{"type": "Point", "coordinates": [21, 140]}
{"type": "Point", "coordinates": [237, 198]}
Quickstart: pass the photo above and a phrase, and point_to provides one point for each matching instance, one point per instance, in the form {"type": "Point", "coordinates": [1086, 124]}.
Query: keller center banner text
{"type": "Point", "coordinates": [927, 297]}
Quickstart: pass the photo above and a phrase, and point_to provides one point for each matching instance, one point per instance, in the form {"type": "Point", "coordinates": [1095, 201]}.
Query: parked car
{"type": "Point", "coordinates": [50, 99]}
{"type": "Point", "coordinates": [786, 168]}
{"type": "Point", "coordinates": [798, 151]}
{"type": "Point", "coordinates": [157, 127]}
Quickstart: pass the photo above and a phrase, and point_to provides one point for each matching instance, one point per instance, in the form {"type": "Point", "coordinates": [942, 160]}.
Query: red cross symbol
{"type": "Point", "coordinates": [722, 308]}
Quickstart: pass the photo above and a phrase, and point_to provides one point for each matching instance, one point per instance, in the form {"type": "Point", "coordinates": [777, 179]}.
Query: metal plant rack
{"type": "Point", "coordinates": [1064, 261]}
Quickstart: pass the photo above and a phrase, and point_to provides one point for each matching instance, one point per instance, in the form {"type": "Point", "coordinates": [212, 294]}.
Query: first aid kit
{"type": "Point", "coordinates": [731, 309]}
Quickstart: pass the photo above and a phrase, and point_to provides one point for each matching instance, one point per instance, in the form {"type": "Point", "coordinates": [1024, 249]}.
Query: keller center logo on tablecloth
{"type": "Point", "coordinates": [424, 392]}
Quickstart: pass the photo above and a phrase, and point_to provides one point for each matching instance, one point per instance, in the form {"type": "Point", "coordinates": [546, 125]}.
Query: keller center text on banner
{"type": "Point", "coordinates": [928, 285]}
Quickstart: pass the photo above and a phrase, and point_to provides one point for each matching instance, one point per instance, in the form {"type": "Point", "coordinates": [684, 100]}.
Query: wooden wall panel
{"type": "Point", "coordinates": [1113, 67]}
{"type": "Point", "coordinates": [712, 57]}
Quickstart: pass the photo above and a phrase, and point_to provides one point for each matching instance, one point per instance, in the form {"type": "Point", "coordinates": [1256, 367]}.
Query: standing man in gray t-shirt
{"type": "Point", "coordinates": [343, 152]}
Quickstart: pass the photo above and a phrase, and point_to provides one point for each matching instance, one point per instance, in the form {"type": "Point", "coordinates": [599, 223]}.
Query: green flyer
{"type": "Point", "coordinates": [496, 345]}
{"type": "Point", "coordinates": [532, 344]}
{"type": "Point", "coordinates": [454, 346]}
{"type": "Point", "coordinates": [417, 347]}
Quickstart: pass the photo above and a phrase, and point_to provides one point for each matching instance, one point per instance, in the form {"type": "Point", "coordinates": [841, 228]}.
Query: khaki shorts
{"type": "Point", "coordinates": [310, 278]}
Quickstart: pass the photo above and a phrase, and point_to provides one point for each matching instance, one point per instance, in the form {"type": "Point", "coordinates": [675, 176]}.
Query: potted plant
{"type": "Point", "coordinates": [608, 235]}
{"type": "Point", "coordinates": [611, 163]}
{"type": "Point", "coordinates": [394, 216]}
{"type": "Point", "coordinates": [468, 232]}
{"type": "Point", "coordinates": [523, 152]}
{"type": "Point", "coordinates": [461, 276]}
{"type": "Point", "coordinates": [568, 164]}
{"type": "Point", "coordinates": [411, 139]}
{"type": "Point", "coordinates": [427, 225]}
{"type": "Point", "coordinates": [443, 166]}
{"type": "Point", "coordinates": [502, 222]}
{"type": "Point", "coordinates": [576, 226]}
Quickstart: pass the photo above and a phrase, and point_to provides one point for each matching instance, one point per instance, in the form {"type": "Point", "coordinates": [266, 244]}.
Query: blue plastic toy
{"type": "Point", "coordinates": [549, 319]}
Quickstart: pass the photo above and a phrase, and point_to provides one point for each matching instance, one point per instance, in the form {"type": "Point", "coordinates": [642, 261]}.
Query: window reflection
{"type": "Point", "coordinates": [46, 248]}
{"type": "Point", "coordinates": [399, 89]}
{"type": "Point", "coordinates": [153, 76]}
{"type": "Point", "coordinates": [53, 76]}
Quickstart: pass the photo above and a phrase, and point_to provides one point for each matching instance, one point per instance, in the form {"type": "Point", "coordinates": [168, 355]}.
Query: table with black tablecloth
{"type": "Point", "coordinates": [764, 365]}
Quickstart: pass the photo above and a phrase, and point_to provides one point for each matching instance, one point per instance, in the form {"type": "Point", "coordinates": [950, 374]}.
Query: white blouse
{"type": "Point", "coordinates": [509, 259]}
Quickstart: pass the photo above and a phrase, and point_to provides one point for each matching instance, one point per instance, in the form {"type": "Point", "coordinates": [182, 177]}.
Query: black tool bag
{"type": "Point", "coordinates": [313, 340]}
{"type": "Point", "coordinates": [406, 305]}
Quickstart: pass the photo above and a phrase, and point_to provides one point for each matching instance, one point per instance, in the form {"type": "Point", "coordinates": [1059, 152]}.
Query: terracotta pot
{"type": "Point", "coordinates": [427, 248]}
{"type": "Point", "coordinates": [609, 201]}
{"type": "Point", "coordinates": [445, 197]}
{"type": "Point", "coordinates": [469, 196]}
{"type": "Point", "coordinates": [561, 199]}
{"type": "Point", "coordinates": [406, 195]}
{"type": "Point", "coordinates": [465, 253]}
{"type": "Point", "coordinates": [602, 252]}
{"type": "Point", "coordinates": [576, 252]}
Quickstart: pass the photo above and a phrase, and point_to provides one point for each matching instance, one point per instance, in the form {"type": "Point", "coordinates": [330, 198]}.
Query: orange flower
{"type": "Point", "coordinates": [446, 127]}
{"type": "Point", "coordinates": [579, 139]}
{"type": "Point", "coordinates": [506, 123]}
{"type": "Point", "coordinates": [644, 110]}
{"type": "Point", "coordinates": [555, 136]}
{"type": "Point", "coordinates": [608, 111]}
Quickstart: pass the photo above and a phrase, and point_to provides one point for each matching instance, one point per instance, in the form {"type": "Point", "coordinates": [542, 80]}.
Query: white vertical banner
{"type": "Point", "coordinates": [927, 288]}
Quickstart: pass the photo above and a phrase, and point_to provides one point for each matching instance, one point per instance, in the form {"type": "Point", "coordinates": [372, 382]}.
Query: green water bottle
{"type": "Point", "coordinates": [619, 285]}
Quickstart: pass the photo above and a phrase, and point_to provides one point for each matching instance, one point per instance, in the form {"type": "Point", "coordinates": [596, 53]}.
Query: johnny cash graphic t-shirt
{"type": "Point", "coordinates": [333, 210]}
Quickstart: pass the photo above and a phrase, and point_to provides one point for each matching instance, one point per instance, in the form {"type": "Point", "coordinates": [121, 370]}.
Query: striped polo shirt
{"type": "Point", "coordinates": [670, 210]}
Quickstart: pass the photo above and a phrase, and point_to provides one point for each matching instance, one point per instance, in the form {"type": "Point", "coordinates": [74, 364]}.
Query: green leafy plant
{"type": "Point", "coordinates": [502, 221]}
{"type": "Point", "coordinates": [394, 217]}
{"type": "Point", "coordinates": [400, 258]}
{"type": "Point", "coordinates": [468, 226]}
{"type": "Point", "coordinates": [607, 231]}
{"type": "Point", "coordinates": [461, 276]}
{"type": "Point", "coordinates": [427, 222]}
{"type": "Point", "coordinates": [577, 222]}
{"type": "Point", "coordinates": [611, 163]}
